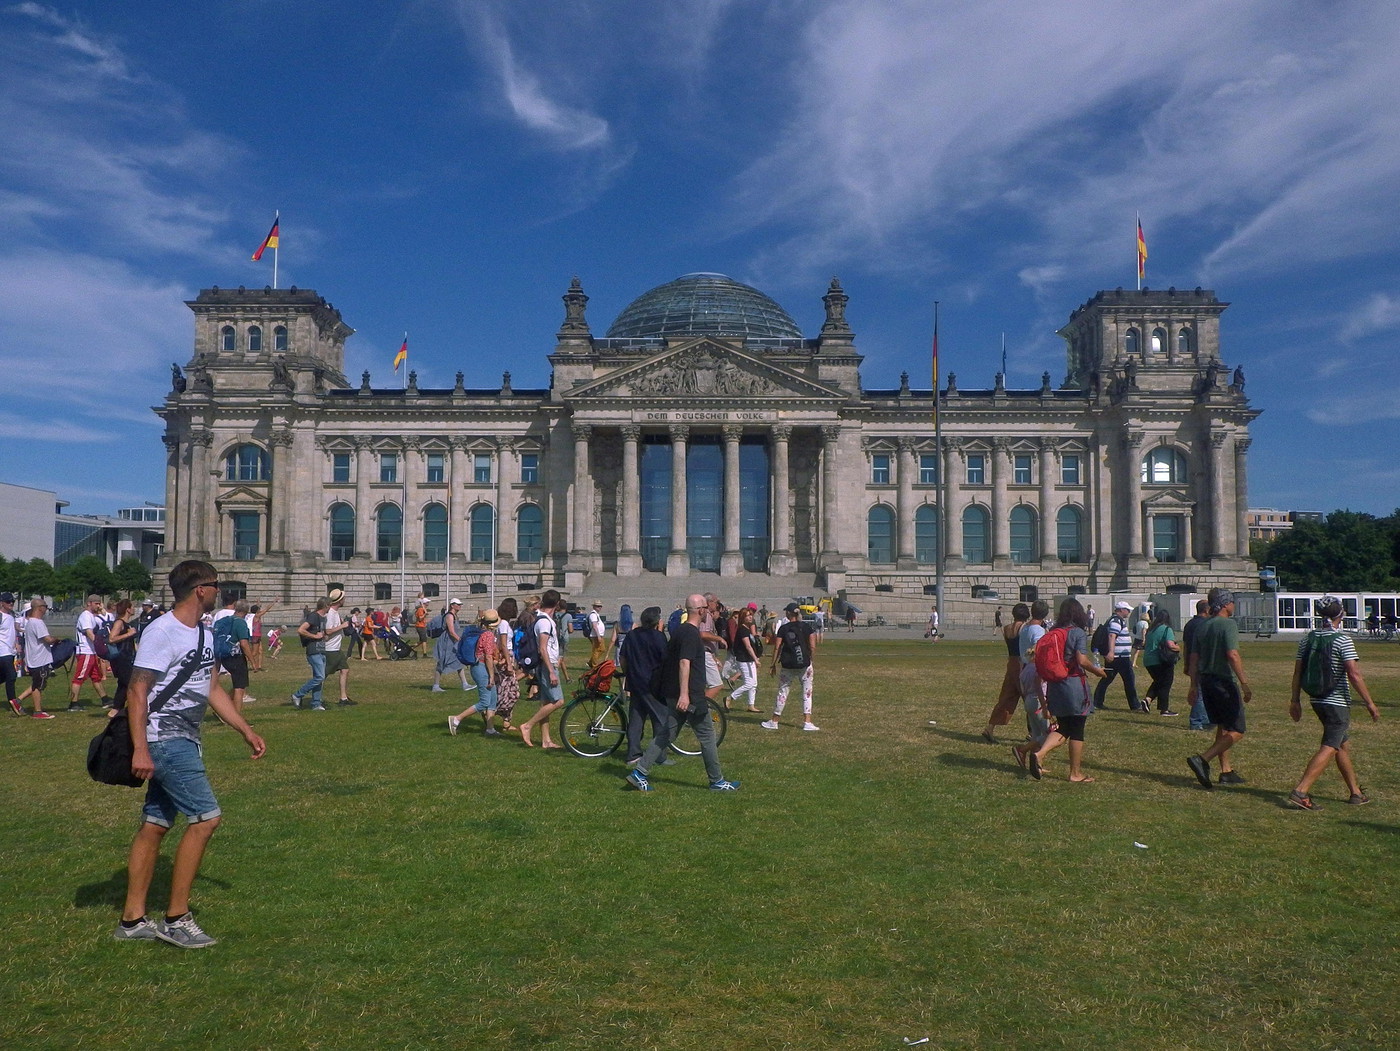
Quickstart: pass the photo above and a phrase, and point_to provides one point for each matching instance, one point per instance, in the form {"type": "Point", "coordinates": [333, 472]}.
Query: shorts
{"type": "Point", "coordinates": [87, 666]}
{"type": "Point", "coordinates": [422, 634]}
{"type": "Point", "coordinates": [237, 668]}
{"type": "Point", "coordinates": [39, 677]}
{"type": "Point", "coordinates": [1224, 706]}
{"type": "Point", "coordinates": [1071, 726]}
{"type": "Point", "coordinates": [180, 785]}
{"type": "Point", "coordinates": [1336, 723]}
{"type": "Point", "coordinates": [712, 676]}
{"type": "Point", "coordinates": [337, 660]}
{"type": "Point", "coordinates": [549, 694]}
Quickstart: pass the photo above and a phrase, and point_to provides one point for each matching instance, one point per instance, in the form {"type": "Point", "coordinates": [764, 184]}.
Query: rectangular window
{"type": "Point", "coordinates": [340, 467]}
{"type": "Point", "coordinates": [245, 535]}
{"type": "Point", "coordinates": [1166, 538]}
{"type": "Point", "coordinates": [976, 469]}
{"type": "Point", "coordinates": [388, 467]}
{"type": "Point", "coordinates": [530, 468]}
{"type": "Point", "coordinates": [481, 468]}
{"type": "Point", "coordinates": [1021, 469]}
{"type": "Point", "coordinates": [880, 469]}
{"type": "Point", "coordinates": [928, 468]}
{"type": "Point", "coordinates": [437, 470]}
{"type": "Point", "coordinates": [1069, 469]}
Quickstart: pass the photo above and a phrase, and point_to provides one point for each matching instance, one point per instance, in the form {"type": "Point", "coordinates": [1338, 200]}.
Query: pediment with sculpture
{"type": "Point", "coordinates": [704, 370]}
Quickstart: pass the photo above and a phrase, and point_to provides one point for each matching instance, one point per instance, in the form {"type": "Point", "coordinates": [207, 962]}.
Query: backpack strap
{"type": "Point", "coordinates": [183, 677]}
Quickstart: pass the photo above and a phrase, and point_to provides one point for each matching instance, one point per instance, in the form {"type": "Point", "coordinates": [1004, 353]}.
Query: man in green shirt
{"type": "Point", "coordinates": [1216, 668]}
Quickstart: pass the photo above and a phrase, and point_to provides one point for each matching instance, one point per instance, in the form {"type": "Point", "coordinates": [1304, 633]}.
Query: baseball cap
{"type": "Point", "coordinates": [5, 596]}
{"type": "Point", "coordinates": [455, 602]}
{"type": "Point", "coordinates": [148, 602]}
{"type": "Point", "coordinates": [1122, 605]}
{"type": "Point", "coordinates": [792, 607]}
{"type": "Point", "coordinates": [753, 606]}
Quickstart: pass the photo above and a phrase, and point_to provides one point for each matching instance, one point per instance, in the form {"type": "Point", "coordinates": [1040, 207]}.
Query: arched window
{"type": "Point", "coordinates": [1069, 534]}
{"type": "Point", "coordinates": [1159, 340]}
{"type": "Point", "coordinates": [482, 533]}
{"type": "Point", "coordinates": [279, 338]}
{"type": "Point", "coordinates": [1183, 340]}
{"type": "Point", "coordinates": [1023, 535]}
{"type": "Point", "coordinates": [529, 534]}
{"type": "Point", "coordinates": [342, 545]}
{"type": "Point", "coordinates": [247, 463]}
{"type": "Point", "coordinates": [229, 337]}
{"type": "Point", "coordinates": [435, 533]}
{"type": "Point", "coordinates": [1164, 466]}
{"type": "Point", "coordinates": [926, 535]}
{"type": "Point", "coordinates": [880, 534]}
{"type": "Point", "coordinates": [255, 338]}
{"type": "Point", "coordinates": [975, 531]}
{"type": "Point", "coordinates": [1132, 342]}
{"type": "Point", "coordinates": [388, 531]}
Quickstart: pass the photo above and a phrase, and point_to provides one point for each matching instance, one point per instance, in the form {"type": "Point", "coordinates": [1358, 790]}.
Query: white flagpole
{"type": "Point", "coordinates": [403, 529]}
{"type": "Point", "coordinates": [277, 225]}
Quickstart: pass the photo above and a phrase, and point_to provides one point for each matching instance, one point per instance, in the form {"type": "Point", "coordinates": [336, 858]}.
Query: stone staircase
{"type": "Point", "coordinates": [658, 589]}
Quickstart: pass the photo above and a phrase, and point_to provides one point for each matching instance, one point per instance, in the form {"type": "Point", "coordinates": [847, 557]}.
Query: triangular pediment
{"type": "Point", "coordinates": [242, 496]}
{"type": "Point", "coordinates": [701, 369]}
{"type": "Point", "coordinates": [1168, 500]}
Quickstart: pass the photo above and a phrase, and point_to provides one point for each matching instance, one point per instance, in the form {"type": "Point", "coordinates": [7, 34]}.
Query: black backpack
{"type": "Point", "coordinates": [529, 655]}
{"type": "Point", "coordinates": [1100, 642]}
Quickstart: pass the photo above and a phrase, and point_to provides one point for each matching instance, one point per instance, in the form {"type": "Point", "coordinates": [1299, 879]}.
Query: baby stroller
{"type": "Point", "coordinates": [398, 649]}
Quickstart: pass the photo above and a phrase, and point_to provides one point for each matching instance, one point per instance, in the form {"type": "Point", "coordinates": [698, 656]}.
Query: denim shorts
{"type": "Point", "coordinates": [180, 785]}
{"type": "Point", "coordinates": [549, 694]}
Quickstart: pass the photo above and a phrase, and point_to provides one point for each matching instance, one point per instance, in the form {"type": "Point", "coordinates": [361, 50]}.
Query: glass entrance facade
{"type": "Point", "coordinates": [655, 502]}
{"type": "Point", "coordinates": [704, 502]}
{"type": "Point", "coordinates": [754, 503]}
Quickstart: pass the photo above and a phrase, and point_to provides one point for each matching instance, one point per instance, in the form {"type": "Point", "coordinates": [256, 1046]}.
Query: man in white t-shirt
{"type": "Point", "coordinates": [337, 646]}
{"type": "Point", "coordinates": [597, 635]}
{"type": "Point", "coordinates": [87, 665]}
{"type": "Point", "coordinates": [172, 684]}
{"type": "Point", "coordinates": [551, 687]}
{"type": "Point", "coordinates": [9, 641]}
{"type": "Point", "coordinates": [38, 658]}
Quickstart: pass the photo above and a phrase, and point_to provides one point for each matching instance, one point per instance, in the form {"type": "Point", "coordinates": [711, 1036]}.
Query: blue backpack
{"type": "Point", "coordinates": [225, 645]}
{"type": "Point", "coordinates": [466, 644]}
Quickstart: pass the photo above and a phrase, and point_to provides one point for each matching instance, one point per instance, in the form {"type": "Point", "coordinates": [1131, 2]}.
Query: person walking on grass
{"type": "Point", "coordinates": [338, 647]}
{"type": "Point", "coordinates": [1326, 667]}
{"type": "Point", "coordinates": [794, 649]}
{"type": "Point", "coordinates": [548, 675]}
{"type": "Point", "coordinates": [9, 647]}
{"type": "Point", "coordinates": [596, 629]}
{"type": "Point", "coordinates": [641, 658]}
{"type": "Point", "coordinates": [1069, 700]}
{"type": "Point", "coordinates": [684, 688]}
{"type": "Point", "coordinates": [171, 686]}
{"type": "Point", "coordinates": [1119, 659]}
{"type": "Point", "coordinates": [746, 657]}
{"type": "Point", "coordinates": [87, 665]}
{"type": "Point", "coordinates": [1160, 653]}
{"type": "Point", "coordinates": [312, 632]}
{"type": "Point", "coordinates": [1198, 718]}
{"type": "Point", "coordinates": [484, 673]}
{"type": "Point", "coordinates": [1038, 724]}
{"type": "Point", "coordinates": [445, 649]}
{"type": "Point", "coordinates": [507, 683]}
{"type": "Point", "coordinates": [1009, 696]}
{"type": "Point", "coordinates": [38, 659]}
{"type": "Point", "coordinates": [1220, 675]}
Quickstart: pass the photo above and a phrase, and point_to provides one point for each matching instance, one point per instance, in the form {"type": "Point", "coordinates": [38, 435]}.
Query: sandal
{"type": "Point", "coordinates": [1018, 755]}
{"type": "Point", "coordinates": [1034, 761]}
{"type": "Point", "coordinates": [989, 737]}
{"type": "Point", "coordinates": [1301, 801]}
{"type": "Point", "coordinates": [1359, 799]}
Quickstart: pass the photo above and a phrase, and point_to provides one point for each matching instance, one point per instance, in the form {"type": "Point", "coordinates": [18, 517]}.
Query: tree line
{"type": "Point", "coordinates": [88, 575]}
{"type": "Point", "coordinates": [1349, 551]}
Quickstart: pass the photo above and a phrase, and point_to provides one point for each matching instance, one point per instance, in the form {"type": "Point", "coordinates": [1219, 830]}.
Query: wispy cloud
{"type": "Point", "coordinates": [1380, 313]}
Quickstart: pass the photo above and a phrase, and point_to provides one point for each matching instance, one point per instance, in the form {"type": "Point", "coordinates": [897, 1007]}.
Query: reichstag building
{"type": "Point", "coordinates": [704, 433]}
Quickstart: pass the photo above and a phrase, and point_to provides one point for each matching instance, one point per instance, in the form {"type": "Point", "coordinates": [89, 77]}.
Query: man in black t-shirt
{"type": "Point", "coordinates": [795, 643]}
{"type": "Point", "coordinates": [1199, 719]}
{"type": "Point", "coordinates": [683, 689]}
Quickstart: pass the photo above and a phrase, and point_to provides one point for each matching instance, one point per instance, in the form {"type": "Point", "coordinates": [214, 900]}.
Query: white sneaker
{"type": "Point", "coordinates": [453, 722]}
{"type": "Point", "coordinates": [768, 724]}
{"type": "Point", "coordinates": [438, 689]}
{"type": "Point", "coordinates": [811, 727]}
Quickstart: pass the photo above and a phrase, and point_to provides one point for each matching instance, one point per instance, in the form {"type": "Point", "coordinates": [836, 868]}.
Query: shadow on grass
{"type": "Point", "coordinates": [991, 762]}
{"type": "Point", "coordinates": [958, 735]}
{"type": "Point", "coordinates": [111, 892]}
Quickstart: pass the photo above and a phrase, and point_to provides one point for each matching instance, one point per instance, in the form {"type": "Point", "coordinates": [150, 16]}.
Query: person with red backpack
{"type": "Point", "coordinates": [1061, 660]}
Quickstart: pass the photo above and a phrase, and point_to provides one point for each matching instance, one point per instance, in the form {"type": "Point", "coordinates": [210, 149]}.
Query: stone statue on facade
{"type": "Point", "coordinates": [178, 382]}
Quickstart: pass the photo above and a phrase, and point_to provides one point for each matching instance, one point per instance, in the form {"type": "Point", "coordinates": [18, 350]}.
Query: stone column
{"type": "Point", "coordinates": [1220, 545]}
{"type": "Point", "coordinates": [678, 561]}
{"type": "Point", "coordinates": [831, 483]}
{"type": "Point", "coordinates": [904, 531]}
{"type": "Point", "coordinates": [1132, 456]}
{"type": "Point", "coordinates": [1241, 497]}
{"type": "Point", "coordinates": [366, 470]}
{"type": "Point", "coordinates": [1001, 526]}
{"type": "Point", "coordinates": [505, 515]}
{"type": "Point", "coordinates": [279, 508]}
{"type": "Point", "coordinates": [1149, 536]}
{"type": "Point", "coordinates": [456, 508]}
{"type": "Point", "coordinates": [203, 520]}
{"type": "Point", "coordinates": [1188, 540]}
{"type": "Point", "coordinates": [629, 560]}
{"type": "Point", "coordinates": [950, 517]}
{"type": "Point", "coordinates": [1049, 541]}
{"type": "Point", "coordinates": [731, 559]}
{"type": "Point", "coordinates": [174, 515]}
{"type": "Point", "coordinates": [583, 546]}
{"type": "Point", "coordinates": [782, 562]}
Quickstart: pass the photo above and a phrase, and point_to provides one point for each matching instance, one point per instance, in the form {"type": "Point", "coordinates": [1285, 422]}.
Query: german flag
{"type": "Point", "coordinates": [270, 241]}
{"type": "Point", "coordinates": [402, 355]}
{"type": "Point", "coordinates": [1141, 252]}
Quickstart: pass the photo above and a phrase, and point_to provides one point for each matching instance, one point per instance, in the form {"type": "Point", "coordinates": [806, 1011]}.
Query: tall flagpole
{"type": "Point", "coordinates": [277, 225]}
{"type": "Point", "coordinates": [403, 528]}
{"type": "Point", "coordinates": [941, 545]}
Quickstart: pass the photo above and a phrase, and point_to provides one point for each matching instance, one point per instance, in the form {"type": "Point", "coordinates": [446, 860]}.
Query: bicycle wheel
{"type": "Point", "coordinates": [592, 725]}
{"type": "Point", "coordinates": [686, 743]}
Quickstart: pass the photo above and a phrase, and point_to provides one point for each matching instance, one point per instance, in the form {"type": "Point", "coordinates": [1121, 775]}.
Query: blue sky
{"type": "Point", "coordinates": [445, 167]}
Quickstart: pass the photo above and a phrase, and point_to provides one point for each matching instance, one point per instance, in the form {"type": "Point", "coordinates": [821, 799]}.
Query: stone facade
{"type": "Point", "coordinates": [1130, 474]}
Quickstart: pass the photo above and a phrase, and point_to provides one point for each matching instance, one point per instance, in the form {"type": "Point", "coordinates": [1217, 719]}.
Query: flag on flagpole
{"type": "Point", "coordinates": [402, 355]}
{"type": "Point", "coordinates": [270, 241]}
{"type": "Point", "coordinates": [1141, 253]}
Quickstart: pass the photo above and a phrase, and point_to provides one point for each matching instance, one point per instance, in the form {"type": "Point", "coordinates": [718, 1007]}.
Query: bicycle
{"type": "Point", "coordinates": [594, 724]}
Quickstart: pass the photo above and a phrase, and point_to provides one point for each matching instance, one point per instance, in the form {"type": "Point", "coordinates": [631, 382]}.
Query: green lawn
{"type": "Point", "coordinates": [380, 884]}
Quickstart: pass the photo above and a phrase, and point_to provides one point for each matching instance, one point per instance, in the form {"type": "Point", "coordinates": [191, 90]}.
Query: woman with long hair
{"type": "Point", "coordinates": [1069, 700]}
{"type": "Point", "coordinates": [624, 623]}
{"type": "Point", "coordinates": [1159, 658]}
{"type": "Point", "coordinates": [1009, 699]}
{"type": "Point", "coordinates": [507, 681]}
{"type": "Point", "coordinates": [121, 652]}
{"type": "Point", "coordinates": [746, 657]}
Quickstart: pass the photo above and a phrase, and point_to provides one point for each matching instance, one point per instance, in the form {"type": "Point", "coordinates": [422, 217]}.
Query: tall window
{"type": "Point", "coordinates": [481, 468]}
{"type": "Point", "coordinates": [1069, 469]}
{"type": "Point", "coordinates": [880, 534]}
{"type": "Point", "coordinates": [340, 467]}
{"type": "Point", "coordinates": [435, 533]}
{"type": "Point", "coordinates": [247, 463]}
{"type": "Point", "coordinates": [342, 545]}
{"type": "Point", "coordinates": [530, 468]}
{"type": "Point", "coordinates": [1183, 341]}
{"type": "Point", "coordinates": [926, 535]}
{"type": "Point", "coordinates": [228, 338]}
{"type": "Point", "coordinates": [1023, 535]}
{"type": "Point", "coordinates": [1166, 538]}
{"type": "Point", "coordinates": [279, 338]}
{"type": "Point", "coordinates": [976, 469]}
{"type": "Point", "coordinates": [928, 468]}
{"type": "Point", "coordinates": [255, 338]}
{"type": "Point", "coordinates": [389, 467]}
{"type": "Point", "coordinates": [1133, 342]}
{"type": "Point", "coordinates": [245, 535]}
{"type": "Point", "coordinates": [482, 533]}
{"type": "Point", "coordinates": [388, 544]}
{"type": "Point", "coordinates": [1069, 535]}
{"type": "Point", "coordinates": [437, 467]}
{"type": "Point", "coordinates": [1021, 469]}
{"type": "Point", "coordinates": [880, 469]}
{"type": "Point", "coordinates": [529, 534]}
{"type": "Point", "coordinates": [1159, 340]}
{"type": "Point", "coordinates": [975, 531]}
{"type": "Point", "coordinates": [1164, 466]}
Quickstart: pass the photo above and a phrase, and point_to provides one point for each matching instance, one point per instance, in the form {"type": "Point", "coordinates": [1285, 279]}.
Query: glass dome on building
{"type": "Point", "coordinates": [704, 304]}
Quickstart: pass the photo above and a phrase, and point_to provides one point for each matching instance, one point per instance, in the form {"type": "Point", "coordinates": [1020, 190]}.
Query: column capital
{"type": "Point", "coordinates": [363, 442]}
{"type": "Point", "coordinates": [732, 432]}
{"type": "Point", "coordinates": [1217, 439]}
{"type": "Point", "coordinates": [680, 432]}
{"type": "Point", "coordinates": [412, 442]}
{"type": "Point", "coordinates": [171, 441]}
{"type": "Point", "coordinates": [905, 443]}
{"type": "Point", "coordinates": [631, 432]}
{"type": "Point", "coordinates": [505, 444]}
{"type": "Point", "coordinates": [201, 436]}
{"type": "Point", "coordinates": [781, 432]}
{"type": "Point", "coordinates": [1000, 443]}
{"type": "Point", "coordinates": [830, 433]}
{"type": "Point", "coordinates": [1242, 445]}
{"type": "Point", "coordinates": [458, 442]}
{"type": "Point", "coordinates": [1049, 445]}
{"type": "Point", "coordinates": [282, 438]}
{"type": "Point", "coordinates": [1133, 439]}
{"type": "Point", "coordinates": [581, 431]}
